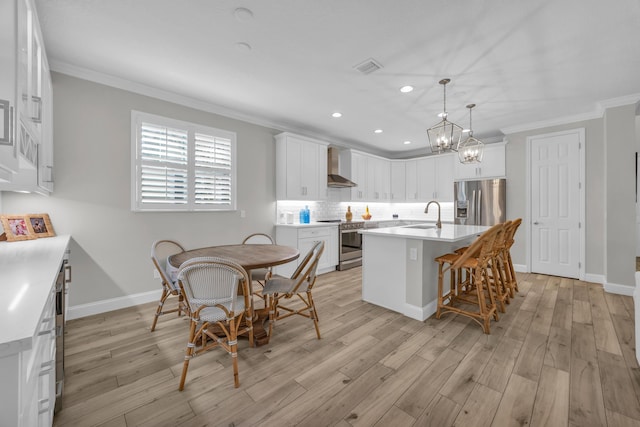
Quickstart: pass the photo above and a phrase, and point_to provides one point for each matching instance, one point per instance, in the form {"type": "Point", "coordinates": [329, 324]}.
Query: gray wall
{"type": "Point", "coordinates": [619, 131]}
{"type": "Point", "coordinates": [595, 191]}
{"type": "Point", "coordinates": [110, 244]}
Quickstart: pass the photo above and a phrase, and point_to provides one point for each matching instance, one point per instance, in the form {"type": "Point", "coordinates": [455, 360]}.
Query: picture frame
{"type": "Point", "coordinates": [17, 228]}
{"type": "Point", "coordinates": [40, 225]}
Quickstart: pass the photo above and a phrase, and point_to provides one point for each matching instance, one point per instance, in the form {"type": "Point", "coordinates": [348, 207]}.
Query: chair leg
{"type": "Point", "coordinates": [513, 272]}
{"type": "Point", "coordinates": [273, 302]}
{"type": "Point", "coordinates": [188, 354]}
{"type": "Point", "coordinates": [313, 313]}
{"type": "Point", "coordinates": [233, 349]}
{"type": "Point", "coordinates": [163, 298]}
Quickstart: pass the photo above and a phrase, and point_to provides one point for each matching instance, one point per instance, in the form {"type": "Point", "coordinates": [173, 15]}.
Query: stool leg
{"type": "Point", "coordinates": [440, 290]}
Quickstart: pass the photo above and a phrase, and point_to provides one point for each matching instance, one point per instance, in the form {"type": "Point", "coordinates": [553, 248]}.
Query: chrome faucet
{"type": "Point", "coordinates": [426, 210]}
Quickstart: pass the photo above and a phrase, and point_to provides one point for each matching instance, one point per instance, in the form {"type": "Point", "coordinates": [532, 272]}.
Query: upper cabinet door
{"type": "Point", "coordinates": [301, 168]}
{"type": "Point", "coordinates": [8, 41]}
{"type": "Point", "coordinates": [411, 186]}
{"type": "Point", "coordinates": [30, 82]}
{"type": "Point", "coordinates": [359, 176]}
{"type": "Point", "coordinates": [398, 181]}
{"type": "Point", "coordinates": [492, 165]}
{"type": "Point", "coordinates": [444, 177]}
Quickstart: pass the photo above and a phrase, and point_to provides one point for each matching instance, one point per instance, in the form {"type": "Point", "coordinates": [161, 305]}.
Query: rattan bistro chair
{"type": "Point", "coordinates": [160, 251]}
{"type": "Point", "coordinates": [278, 289]}
{"type": "Point", "coordinates": [259, 275]}
{"type": "Point", "coordinates": [218, 312]}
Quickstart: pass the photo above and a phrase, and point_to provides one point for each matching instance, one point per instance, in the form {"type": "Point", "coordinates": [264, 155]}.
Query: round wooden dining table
{"type": "Point", "coordinates": [250, 257]}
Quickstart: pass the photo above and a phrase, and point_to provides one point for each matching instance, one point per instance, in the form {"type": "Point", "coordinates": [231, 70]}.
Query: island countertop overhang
{"type": "Point", "coordinates": [448, 232]}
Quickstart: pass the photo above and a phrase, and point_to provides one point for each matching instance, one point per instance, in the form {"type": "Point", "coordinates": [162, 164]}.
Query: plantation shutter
{"type": "Point", "coordinates": [212, 170]}
{"type": "Point", "coordinates": [164, 159]}
{"type": "Point", "coordinates": [181, 166]}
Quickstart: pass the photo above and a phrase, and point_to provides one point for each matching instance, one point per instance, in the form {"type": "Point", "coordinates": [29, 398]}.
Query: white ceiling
{"type": "Point", "coordinates": [521, 62]}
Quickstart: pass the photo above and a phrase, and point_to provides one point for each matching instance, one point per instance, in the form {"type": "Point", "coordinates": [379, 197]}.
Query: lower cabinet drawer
{"type": "Point", "coordinates": [313, 232]}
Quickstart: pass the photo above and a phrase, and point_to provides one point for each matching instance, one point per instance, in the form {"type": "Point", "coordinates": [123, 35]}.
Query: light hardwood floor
{"type": "Point", "coordinates": [562, 355]}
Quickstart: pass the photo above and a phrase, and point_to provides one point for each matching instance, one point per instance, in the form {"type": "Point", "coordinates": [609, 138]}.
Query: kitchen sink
{"type": "Point", "coordinates": [421, 226]}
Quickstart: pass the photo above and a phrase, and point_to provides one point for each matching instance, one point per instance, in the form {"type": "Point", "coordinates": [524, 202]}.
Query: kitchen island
{"type": "Point", "coordinates": [398, 267]}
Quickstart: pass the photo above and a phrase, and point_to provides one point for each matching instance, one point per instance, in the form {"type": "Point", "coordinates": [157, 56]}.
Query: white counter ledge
{"type": "Point", "coordinates": [448, 232]}
{"type": "Point", "coordinates": [398, 267]}
{"type": "Point", "coordinates": [28, 271]}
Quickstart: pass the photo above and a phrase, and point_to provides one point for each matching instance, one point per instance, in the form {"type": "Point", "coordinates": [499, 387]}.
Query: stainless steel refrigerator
{"type": "Point", "coordinates": [480, 202]}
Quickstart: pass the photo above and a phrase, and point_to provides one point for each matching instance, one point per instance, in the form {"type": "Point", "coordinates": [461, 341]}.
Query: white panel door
{"type": "Point", "coordinates": [555, 205]}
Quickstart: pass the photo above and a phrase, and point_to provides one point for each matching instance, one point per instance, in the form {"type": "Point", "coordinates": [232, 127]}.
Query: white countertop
{"type": "Point", "coordinates": [448, 232]}
{"type": "Point", "coordinates": [28, 271]}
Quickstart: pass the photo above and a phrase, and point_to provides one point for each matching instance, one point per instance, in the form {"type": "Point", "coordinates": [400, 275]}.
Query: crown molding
{"type": "Point", "coordinates": [141, 89]}
{"type": "Point", "coordinates": [620, 101]}
{"type": "Point", "coordinates": [554, 122]}
{"type": "Point", "coordinates": [596, 113]}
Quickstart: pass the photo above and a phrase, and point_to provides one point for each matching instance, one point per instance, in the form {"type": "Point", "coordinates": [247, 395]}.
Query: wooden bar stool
{"type": "Point", "coordinates": [512, 281]}
{"type": "Point", "coordinates": [477, 290]}
{"type": "Point", "coordinates": [497, 269]}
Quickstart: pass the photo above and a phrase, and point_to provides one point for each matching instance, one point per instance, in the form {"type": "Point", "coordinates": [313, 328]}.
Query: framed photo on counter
{"type": "Point", "coordinates": [17, 227]}
{"type": "Point", "coordinates": [41, 225]}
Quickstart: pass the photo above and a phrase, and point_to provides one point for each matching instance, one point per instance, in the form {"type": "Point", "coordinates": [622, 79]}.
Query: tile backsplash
{"type": "Point", "coordinates": [379, 211]}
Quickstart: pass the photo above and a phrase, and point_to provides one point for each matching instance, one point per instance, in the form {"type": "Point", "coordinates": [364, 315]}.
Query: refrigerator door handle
{"type": "Point", "coordinates": [472, 208]}
{"type": "Point", "coordinates": [478, 207]}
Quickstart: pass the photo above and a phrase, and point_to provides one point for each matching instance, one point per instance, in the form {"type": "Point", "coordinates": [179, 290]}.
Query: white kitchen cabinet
{"type": "Point", "coordinates": [430, 178]}
{"type": "Point", "coordinates": [378, 183]}
{"type": "Point", "coordinates": [28, 347]}
{"type": "Point", "coordinates": [411, 180]}
{"type": "Point", "coordinates": [8, 58]}
{"type": "Point", "coordinates": [397, 171]}
{"type": "Point", "coordinates": [301, 168]}
{"type": "Point", "coordinates": [31, 156]}
{"type": "Point", "coordinates": [303, 238]}
{"type": "Point", "coordinates": [359, 175]}
{"type": "Point", "coordinates": [492, 165]}
{"type": "Point", "coordinates": [45, 148]}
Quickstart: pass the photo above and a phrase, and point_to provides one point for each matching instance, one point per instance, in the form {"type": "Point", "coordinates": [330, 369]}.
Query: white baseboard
{"type": "Point", "coordinates": [614, 288]}
{"type": "Point", "coordinates": [594, 278]}
{"type": "Point", "coordinates": [420, 313]}
{"type": "Point", "coordinates": [520, 268]}
{"type": "Point", "coordinates": [98, 307]}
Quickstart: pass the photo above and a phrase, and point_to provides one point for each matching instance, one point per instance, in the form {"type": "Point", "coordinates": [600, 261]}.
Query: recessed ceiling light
{"type": "Point", "coordinates": [243, 46]}
{"type": "Point", "coordinates": [377, 131]}
{"type": "Point", "coordinates": [243, 14]}
{"type": "Point", "coordinates": [406, 89]}
{"type": "Point", "coordinates": [407, 142]}
{"type": "Point", "coordinates": [336, 115]}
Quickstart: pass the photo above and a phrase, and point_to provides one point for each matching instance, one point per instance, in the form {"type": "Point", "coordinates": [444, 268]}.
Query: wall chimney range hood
{"type": "Point", "coordinates": [334, 179]}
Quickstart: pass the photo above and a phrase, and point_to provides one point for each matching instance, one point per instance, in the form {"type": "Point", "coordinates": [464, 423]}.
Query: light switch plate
{"type": "Point", "coordinates": [413, 254]}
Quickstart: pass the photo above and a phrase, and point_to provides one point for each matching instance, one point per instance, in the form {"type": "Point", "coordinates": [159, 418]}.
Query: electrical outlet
{"type": "Point", "coordinates": [156, 274]}
{"type": "Point", "coordinates": [413, 254]}
{"type": "Point", "coordinates": [243, 214]}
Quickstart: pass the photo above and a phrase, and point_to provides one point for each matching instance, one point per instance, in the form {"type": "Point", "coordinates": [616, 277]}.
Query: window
{"type": "Point", "coordinates": [181, 166]}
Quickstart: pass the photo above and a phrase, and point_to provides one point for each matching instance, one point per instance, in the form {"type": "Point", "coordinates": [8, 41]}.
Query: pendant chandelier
{"type": "Point", "coordinates": [471, 149]}
{"type": "Point", "coordinates": [444, 136]}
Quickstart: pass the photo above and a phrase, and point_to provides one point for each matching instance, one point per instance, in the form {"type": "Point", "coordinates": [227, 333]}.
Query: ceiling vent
{"type": "Point", "coordinates": [368, 66]}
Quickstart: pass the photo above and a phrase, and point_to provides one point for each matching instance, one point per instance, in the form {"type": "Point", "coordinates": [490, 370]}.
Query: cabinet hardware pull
{"type": "Point", "coordinates": [6, 107]}
{"type": "Point", "coordinates": [67, 268]}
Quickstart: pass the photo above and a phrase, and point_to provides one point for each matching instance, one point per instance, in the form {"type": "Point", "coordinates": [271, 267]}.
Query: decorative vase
{"type": "Point", "coordinates": [349, 215]}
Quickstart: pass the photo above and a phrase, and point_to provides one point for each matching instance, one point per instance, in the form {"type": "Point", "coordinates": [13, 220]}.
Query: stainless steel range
{"type": "Point", "coordinates": [350, 242]}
